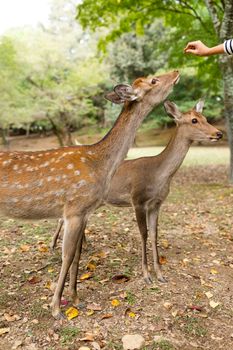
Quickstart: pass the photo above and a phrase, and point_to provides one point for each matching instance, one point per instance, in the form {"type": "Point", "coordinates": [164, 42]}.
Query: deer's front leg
{"type": "Point", "coordinates": [74, 269]}
{"type": "Point", "coordinates": [152, 218]}
{"type": "Point", "coordinates": [72, 235]}
{"type": "Point", "coordinates": [141, 220]}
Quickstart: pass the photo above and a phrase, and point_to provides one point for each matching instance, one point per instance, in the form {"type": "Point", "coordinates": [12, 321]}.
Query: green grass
{"type": "Point", "coordinates": [196, 155]}
{"type": "Point", "coordinates": [68, 334]}
{"type": "Point", "coordinates": [193, 327]}
{"type": "Point", "coordinates": [130, 297]}
{"type": "Point", "coordinates": [163, 345]}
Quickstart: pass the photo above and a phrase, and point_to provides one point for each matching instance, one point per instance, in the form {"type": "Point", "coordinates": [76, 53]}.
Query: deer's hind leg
{"type": "Point", "coordinates": [72, 236]}
{"type": "Point", "coordinates": [142, 225]}
{"type": "Point", "coordinates": [152, 219]}
{"type": "Point", "coordinates": [74, 268]}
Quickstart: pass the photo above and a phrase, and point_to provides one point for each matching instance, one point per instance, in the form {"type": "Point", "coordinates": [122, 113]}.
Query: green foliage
{"type": "Point", "coordinates": [51, 74]}
{"type": "Point", "coordinates": [179, 22]}
{"type": "Point", "coordinates": [132, 56]}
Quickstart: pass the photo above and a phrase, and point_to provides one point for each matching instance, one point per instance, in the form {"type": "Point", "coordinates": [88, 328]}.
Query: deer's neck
{"type": "Point", "coordinates": [115, 145]}
{"type": "Point", "coordinates": [173, 155]}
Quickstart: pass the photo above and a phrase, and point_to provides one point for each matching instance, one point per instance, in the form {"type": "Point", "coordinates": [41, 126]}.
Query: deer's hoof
{"type": "Point", "coordinates": [59, 316]}
{"type": "Point", "coordinates": [148, 280]}
{"type": "Point", "coordinates": [162, 279]}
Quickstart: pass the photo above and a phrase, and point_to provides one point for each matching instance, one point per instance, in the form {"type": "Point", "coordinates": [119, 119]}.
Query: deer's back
{"type": "Point", "coordinates": [41, 184]}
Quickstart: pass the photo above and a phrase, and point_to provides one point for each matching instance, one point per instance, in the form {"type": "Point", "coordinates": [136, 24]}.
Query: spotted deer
{"type": "Point", "coordinates": [71, 182]}
{"type": "Point", "coordinates": [144, 183]}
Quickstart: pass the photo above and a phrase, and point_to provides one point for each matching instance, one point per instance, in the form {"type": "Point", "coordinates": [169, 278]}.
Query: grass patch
{"type": "Point", "coordinates": [192, 327]}
{"type": "Point", "coordinates": [68, 334]}
{"type": "Point", "coordinates": [130, 297]}
{"type": "Point", "coordinates": [163, 345]}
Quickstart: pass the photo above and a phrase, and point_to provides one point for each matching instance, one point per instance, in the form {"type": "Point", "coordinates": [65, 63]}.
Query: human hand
{"type": "Point", "coordinates": [197, 48]}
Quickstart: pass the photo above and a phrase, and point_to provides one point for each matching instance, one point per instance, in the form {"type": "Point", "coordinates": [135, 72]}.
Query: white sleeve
{"type": "Point", "coordinates": [228, 46]}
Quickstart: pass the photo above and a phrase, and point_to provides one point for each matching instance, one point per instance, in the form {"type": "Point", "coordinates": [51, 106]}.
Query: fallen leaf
{"type": "Point", "coordinates": [209, 295]}
{"type": "Point", "coordinates": [213, 304]}
{"type": "Point", "coordinates": [90, 266]}
{"type": "Point", "coordinates": [90, 312]}
{"type": "Point", "coordinates": [162, 260]}
{"type": "Point", "coordinates": [11, 318]}
{"type": "Point", "coordinates": [48, 285]}
{"type": "Point", "coordinates": [195, 307]}
{"type": "Point", "coordinates": [103, 317]}
{"type": "Point", "coordinates": [104, 281]}
{"type": "Point", "coordinates": [102, 254]}
{"type": "Point", "coordinates": [25, 248]}
{"type": "Point", "coordinates": [120, 279]}
{"type": "Point", "coordinates": [71, 313]}
{"type": "Point", "coordinates": [4, 330]}
{"type": "Point", "coordinates": [34, 279]}
{"type": "Point", "coordinates": [130, 313]}
{"type": "Point", "coordinates": [43, 248]}
{"type": "Point", "coordinates": [50, 270]}
{"type": "Point", "coordinates": [167, 305]}
{"type": "Point", "coordinates": [88, 337]}
{"type": "Point", "coordinates": [85, 276]}
{"type": "Point", "coordinates": [35, 321]}
{"type": "Point", "coordinates": [115, 302]}
{"type": "Point", "coordinates": [164, 243]}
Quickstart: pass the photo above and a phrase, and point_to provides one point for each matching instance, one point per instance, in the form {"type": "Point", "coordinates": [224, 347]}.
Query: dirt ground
{"type": "Point", "coordinates": [193, 310]}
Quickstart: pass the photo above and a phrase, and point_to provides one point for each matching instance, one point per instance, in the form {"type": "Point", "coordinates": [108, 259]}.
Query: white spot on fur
{"type": "Point", "coordinates": [79, 184]}
{"type": "Point", "coordinates": [77, 172]}
{"type": "Point", "coordinates": [70, 166]}
{"type": "Point", "coordinates": [83, 159]}
{"type": "Point", "coordinates": [44, 165]}
{"type": "Point", "coordinates": [6, 162]}
{"type": "Point", "coordinates": [30, 168]}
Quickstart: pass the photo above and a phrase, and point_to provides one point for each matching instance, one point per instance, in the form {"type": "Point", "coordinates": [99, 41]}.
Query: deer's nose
{"type": "Point", "coordinates": [219, 134]}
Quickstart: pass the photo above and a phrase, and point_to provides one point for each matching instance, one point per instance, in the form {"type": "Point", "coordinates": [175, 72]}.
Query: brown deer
{"type": "Point", "coordinates": [144, 182]}
{"type": "Point", "coordinates": [71, 182]}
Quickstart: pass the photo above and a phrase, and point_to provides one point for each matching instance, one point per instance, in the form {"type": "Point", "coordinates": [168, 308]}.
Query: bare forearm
{"type": "Point", "coordinates": [200, 49]}
{"type": "Point", "coordinates": [215, 50]}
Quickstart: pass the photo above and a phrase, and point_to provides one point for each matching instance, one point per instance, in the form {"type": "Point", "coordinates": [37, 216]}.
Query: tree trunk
{"type": "Point", "coordinates": [4, 135]}
{"type": "Point", "coordinates": [67, 137]}
{"type": "Point", "coordinates": [227, 74]}
{"type": "Point", "coordinates": [226, 66]}
{"type": "Point", "coordinates": [56, 131]}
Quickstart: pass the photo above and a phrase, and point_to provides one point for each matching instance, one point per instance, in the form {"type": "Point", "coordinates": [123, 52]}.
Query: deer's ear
{"type": "Point", "coordinates": [126, 92]}
{"type": "Point", "coordinates": [114, 98]}
{"type": "Point", "coordinates": [199, 106]}
{"type": "Point", "coordinates": [172, 110]}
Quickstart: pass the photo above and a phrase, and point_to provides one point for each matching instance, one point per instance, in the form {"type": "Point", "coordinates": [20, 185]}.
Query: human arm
{"type": "Point", "coordinates": [200, 49]}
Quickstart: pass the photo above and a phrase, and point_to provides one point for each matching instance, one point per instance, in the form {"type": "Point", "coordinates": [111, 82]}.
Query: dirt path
{"type": "Point", "coordinates": [194, 310]}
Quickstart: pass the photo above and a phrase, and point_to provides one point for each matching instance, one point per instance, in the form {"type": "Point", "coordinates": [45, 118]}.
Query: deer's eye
{"type": "Point", "coordinates": [194, 121]}
{"type": "Point", "coordinates": [154, 80]}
